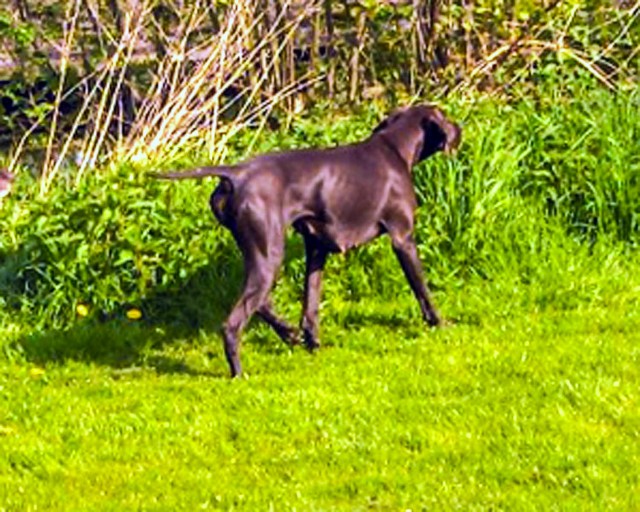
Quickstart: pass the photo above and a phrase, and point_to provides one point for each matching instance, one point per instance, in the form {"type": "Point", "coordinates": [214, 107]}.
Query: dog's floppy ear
{"type": "Point", "coordinates": [391, 119]}
{"type": "Point", "coordinates": [418, 132]}
{"type": "Point", "coordinates": [439, 133]}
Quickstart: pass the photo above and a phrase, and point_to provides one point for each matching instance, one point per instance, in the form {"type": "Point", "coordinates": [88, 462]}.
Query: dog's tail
{"type": "Point", "coordinates": [222, 171]}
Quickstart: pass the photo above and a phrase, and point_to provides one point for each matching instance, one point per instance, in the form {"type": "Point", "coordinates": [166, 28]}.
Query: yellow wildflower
{"type": "Point", "coordinates": [36, 372]}
{"type": "Point", "coordinates": [6, 431]}
{"type": "Point", "coordinates": [82, 309]}
{"type": "Point", "coordinates": [134, 314]}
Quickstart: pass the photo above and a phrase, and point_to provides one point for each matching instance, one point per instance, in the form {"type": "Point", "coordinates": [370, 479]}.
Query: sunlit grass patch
{"type": "Point", "coordinates": [532, 411]}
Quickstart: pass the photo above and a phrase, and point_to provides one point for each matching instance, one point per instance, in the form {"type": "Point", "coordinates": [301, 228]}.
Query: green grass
{"type": "Point", "coordinates": [523, 410]}
{"type": "Point", "coordinates": [529, 401]}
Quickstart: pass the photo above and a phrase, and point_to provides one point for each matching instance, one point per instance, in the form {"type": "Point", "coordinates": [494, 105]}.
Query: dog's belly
{"type": "Point", "coordinates": [335, 236]}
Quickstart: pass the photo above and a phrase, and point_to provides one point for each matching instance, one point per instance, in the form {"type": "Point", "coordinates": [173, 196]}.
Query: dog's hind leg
{"type": "Point", "coordinates": [287, 332]}
{"type": "Point", "coordinates": [316, 257]}
{"type": "Point", "coordinates": [262, 257]}
{"type": "Point", "coordinates": [258, 282]}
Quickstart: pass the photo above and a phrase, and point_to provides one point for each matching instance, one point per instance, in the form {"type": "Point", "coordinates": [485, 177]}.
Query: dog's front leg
{"type": "Point", "coordinates": [316, 257]}
{"type": "Point", "coordinates": [407, 253]}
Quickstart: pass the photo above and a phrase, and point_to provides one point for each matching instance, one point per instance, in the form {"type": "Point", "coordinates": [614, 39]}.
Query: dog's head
{"type": "Point", "coordinates": [420, 131]}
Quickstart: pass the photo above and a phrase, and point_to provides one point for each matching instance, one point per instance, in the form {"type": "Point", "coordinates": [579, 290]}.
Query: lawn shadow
{"type": "Point", "coordinates": [360, 317]}
{"type": "Point", "coordinates": [183, 311]}
{"type": "Point", "coordinates": [175, 312]}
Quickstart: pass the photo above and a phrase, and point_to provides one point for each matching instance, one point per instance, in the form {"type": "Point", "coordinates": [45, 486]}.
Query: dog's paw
{"type": "Point", "coordinates": [311, 343]}
{"type": "Point", "coordinates": [290, 335]}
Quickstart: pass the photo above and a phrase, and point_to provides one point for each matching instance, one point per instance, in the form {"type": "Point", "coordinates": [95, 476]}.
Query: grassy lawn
{"type": "Point", "coordinates": [520, 409]}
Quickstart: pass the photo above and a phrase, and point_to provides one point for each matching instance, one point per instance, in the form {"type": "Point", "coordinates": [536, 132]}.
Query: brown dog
{"type": "Point", "coordinates": [336, 199]}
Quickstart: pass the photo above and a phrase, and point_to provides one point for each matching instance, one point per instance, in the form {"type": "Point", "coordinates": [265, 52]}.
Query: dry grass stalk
{"type": "Point", "coordinates": [185, 112]}
{"type": "Point", "coordinates": [94, 146]}
{"type": "Point", "coordinates": [47, 172]}
{"type": "Point", "coordinates": [184, 106]}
